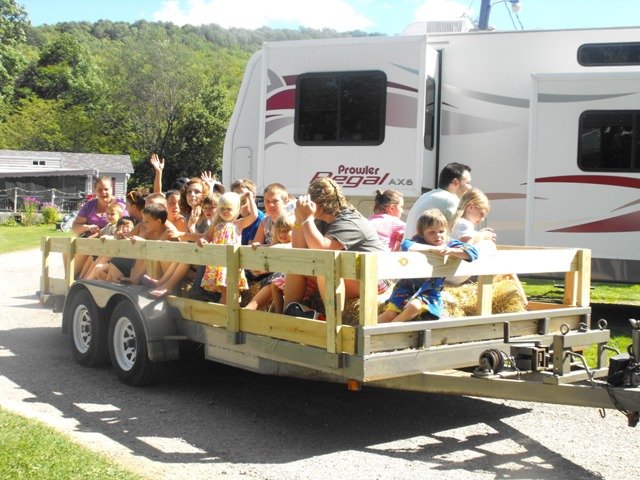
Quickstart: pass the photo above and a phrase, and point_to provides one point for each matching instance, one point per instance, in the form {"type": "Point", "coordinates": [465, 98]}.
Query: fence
{"type": "Point", "coordinates": [12, 199]}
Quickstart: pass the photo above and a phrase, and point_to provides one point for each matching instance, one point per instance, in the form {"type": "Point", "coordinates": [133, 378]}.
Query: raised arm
{"type": "Point", "coordinates": [158, 165]}
{"type": "Point", "coordinates": [244, 222]}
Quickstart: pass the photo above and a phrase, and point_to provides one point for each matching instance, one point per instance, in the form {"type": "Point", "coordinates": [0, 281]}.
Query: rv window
{"type": "Point", "coordinates": [609, 141]}
{"type": "Point", "coordinates": [343, 108]}
{"type": "Point", "coordinates": [429, 113]}
{"type": "Point", "coordinates": [597, 55]}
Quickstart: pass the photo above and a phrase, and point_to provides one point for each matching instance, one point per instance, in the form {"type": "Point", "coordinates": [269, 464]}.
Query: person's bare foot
{"type": "Point", "coordinates": [147, 281]}
{"type": "Point", "coordinates": [159, 292]}
{"type": "Point", "coordinates": [126, 281]}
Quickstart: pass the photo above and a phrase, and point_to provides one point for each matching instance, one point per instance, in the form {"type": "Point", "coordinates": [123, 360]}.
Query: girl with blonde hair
{"type": "Point", "coordinates": [226, 229]}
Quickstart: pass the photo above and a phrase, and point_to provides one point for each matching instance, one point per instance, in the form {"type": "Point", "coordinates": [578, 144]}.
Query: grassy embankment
{"type": "Point", "coordinates": [30, 449]}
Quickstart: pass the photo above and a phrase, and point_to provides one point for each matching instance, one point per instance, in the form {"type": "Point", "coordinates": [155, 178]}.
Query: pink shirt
{"type": "Point", "coordinates": [390, 230]}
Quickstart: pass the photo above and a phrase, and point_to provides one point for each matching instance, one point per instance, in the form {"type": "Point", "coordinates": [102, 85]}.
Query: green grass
{"type": "Point", "coordinates": [30, 449]}
{"type": "Point", "coordinates": [15, 238]}
{"type": "Point", "coordinates": [548, 290]}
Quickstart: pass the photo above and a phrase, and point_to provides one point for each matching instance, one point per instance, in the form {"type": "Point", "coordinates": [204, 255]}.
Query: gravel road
{"type": "Point", "coordinates": [203, 420]}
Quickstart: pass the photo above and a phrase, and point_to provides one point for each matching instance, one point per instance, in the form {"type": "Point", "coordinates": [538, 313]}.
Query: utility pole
{"type": "Point", "coordinates": [485, 11]}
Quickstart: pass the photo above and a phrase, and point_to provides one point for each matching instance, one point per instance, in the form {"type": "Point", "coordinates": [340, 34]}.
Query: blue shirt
{"type": "Point", "coordinates": [249, 232]}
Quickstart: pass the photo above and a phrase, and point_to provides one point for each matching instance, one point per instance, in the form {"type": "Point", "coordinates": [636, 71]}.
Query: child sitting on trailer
{"type": "Point", "coordinates": [421, 297]}
{"type": "Point", "coordinates": [227, 230]}
{"type": "Point", "coordinates": [387, 210]}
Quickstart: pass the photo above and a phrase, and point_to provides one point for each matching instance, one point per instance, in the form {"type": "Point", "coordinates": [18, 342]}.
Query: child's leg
{"type": "Point", "coordinates": [178, 272]}
{"type": "Point", "coordinates": [113, 274]}
{"type": "Point", "coordinates": [277, 298]}
{"type": "Point", "coordinates": [387, 316]}
{"type": "Point", "coordinates": [87, 267]}
{"type": "Point", "coordinates": [139, 269]}
{"type": "Point", "coordinates": [411, 311]}
{"type": "Point", "coordinates": [80, 259]}
{"type": "Point", "coordinates": [294, 288]}
{"type": "Point", "coordinates": [223, 295]}
{"type": "Point", "coordinates": [261, 299]}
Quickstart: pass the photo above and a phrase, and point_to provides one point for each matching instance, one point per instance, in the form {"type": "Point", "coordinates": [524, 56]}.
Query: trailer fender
{"type": "Point", "coordinates": [161, 322]}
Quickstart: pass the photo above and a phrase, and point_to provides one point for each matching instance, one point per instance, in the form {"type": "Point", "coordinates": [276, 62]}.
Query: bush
{"type": "Point", "coordinates": [29, 211]}
{"type": "Point", "coordinates": [50, 213]}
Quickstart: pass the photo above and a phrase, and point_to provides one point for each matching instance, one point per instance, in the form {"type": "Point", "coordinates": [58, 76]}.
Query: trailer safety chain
{"type": "Point", "coordinates": [584, 364]}
{"type": "Point", "coordinates": [632, 417]}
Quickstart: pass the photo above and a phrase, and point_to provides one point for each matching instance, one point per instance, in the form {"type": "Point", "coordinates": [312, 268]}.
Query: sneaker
{"type": "Point", "coordinates": [294, 309]}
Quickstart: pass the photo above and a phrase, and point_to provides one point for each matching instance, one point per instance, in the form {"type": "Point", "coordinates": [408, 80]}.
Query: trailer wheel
{"type": "Point", "coordinates": [128, 347]}
{"type": "Point", "coordinates": [88, 333]}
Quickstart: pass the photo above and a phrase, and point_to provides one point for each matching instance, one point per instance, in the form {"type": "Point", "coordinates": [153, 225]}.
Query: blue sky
{"type": "Point", "coordinates": [385, 16]}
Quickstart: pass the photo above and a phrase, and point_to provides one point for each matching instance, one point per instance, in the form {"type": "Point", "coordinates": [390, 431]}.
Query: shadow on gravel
{"type": "Point", "coordinates": [203, 412]}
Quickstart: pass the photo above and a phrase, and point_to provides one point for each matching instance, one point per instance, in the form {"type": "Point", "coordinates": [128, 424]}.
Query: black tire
{"type": "Point", "coordinates": [88, 332]}
{"type": "Point", "coordinates": [128, 347]}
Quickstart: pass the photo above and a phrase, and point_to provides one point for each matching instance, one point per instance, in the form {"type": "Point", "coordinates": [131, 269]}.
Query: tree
{"type": "Point", "coordinates": [198, 139]}
{"type": "Point", "coordinates": [64, 71]}
{"type": "Point", "coordinates": [13, 25]}
{"type": "Point", "coordinates": [154, 80]}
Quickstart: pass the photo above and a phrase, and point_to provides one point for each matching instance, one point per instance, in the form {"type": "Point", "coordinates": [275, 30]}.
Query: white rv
{"type": "Point", "coordinates": [549, 122]}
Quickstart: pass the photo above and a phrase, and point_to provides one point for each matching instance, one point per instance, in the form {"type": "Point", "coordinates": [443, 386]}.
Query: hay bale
{"type": "Point", "coordinates": [461, 300]}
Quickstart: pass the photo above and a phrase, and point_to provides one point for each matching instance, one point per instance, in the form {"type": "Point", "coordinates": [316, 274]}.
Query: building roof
{"type": "Point", "coordinates": [26, 163]}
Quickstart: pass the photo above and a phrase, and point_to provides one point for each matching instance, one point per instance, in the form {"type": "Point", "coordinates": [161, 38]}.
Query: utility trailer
{"type": "Point", "coordinates": [532, 355]}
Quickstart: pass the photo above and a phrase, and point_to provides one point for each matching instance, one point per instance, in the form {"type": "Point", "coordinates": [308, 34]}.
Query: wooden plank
{"type": "Point", "coordinates": [583, 288]}
{"type": "Point", "coordinates": [368, 274]}
{"type": "Point", "coordinates": [333, 294]}
{"type": "Point", "coordinates": [285, 327]}
{"type": "Point", "coordinates": [208, 313]}
{"type": "Point", "coordinates": [485, 295]}
{"type": "Point", "coordinates": [58, 286]}
{"type": "Point", "coordinates": [60, 244]}
{"type": "Point", "coordinates": [294, 329]}
{"type": "Point", "coordinates": [70, 266]}
{"type": "Point", "coordinates": [570, 288]}
{"type": "Point", "coordinates": [543, 306]}
{"type": "Point", "coordinates": [304, 261]}
{"type": "Point", "coordinates": [411, 265]}
{"type": "Point", "coordinates": [233, 292]}
{"type": "Point", "coordinates": [45, 247]}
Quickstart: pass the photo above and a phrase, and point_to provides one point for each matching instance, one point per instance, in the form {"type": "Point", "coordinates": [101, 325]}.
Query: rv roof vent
{"type": "Point", "coordinates": [439, 26]}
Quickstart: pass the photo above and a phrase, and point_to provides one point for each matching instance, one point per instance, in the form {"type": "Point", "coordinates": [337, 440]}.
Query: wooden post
{"type": "Point", "coordinates": [368, 274]}
{"type": "Point", "coordinates": [485, 295]}
{"type": "Point", "coordinates": [333, 301]}
{"type": "Point", "coordinates": [233, 292]}
{"type": "Point", "coordinates": [583, 283]}
{"type": "Point", "coordinates": [69, 273]}
{"type": "Point", "coordinates": [45, 246]}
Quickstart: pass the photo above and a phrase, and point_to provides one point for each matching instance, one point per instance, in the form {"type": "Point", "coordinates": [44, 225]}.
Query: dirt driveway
{"type": "Point", "coordinates": [204, 420]}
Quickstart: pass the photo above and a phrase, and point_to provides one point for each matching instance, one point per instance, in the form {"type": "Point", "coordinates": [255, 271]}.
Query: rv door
{"type": "Point", "coordinates": [430, 165]}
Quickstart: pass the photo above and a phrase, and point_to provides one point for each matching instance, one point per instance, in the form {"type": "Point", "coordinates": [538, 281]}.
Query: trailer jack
{"type": "Point", "coordinates": [624, 371]}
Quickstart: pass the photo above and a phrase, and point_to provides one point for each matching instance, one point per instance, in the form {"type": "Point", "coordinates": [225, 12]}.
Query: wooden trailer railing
{"type": "Point", "coordinates": [332, 335]}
